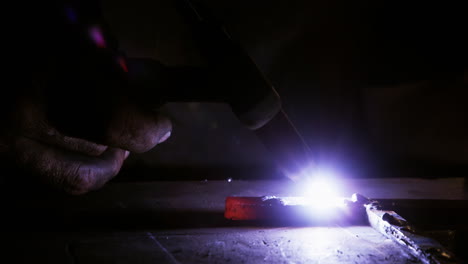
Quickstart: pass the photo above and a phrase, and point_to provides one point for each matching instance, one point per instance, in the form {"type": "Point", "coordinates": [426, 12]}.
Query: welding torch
{"type": "Point", "coordinates": [234, 78]}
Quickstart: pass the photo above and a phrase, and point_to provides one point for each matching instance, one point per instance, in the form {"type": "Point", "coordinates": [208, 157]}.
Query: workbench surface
{"type": "Point", "coordinates": [182, 222]}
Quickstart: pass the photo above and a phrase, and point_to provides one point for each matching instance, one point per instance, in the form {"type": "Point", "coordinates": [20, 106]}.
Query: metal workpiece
{"type": "Point", "coordinates": [294, 210]}
{"type": "Point", "coordinates": [395, 227]}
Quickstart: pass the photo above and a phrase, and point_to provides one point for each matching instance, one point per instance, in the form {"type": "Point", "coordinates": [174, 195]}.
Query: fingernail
{"type": "Point", "coordinates": [165, 137]}
{"type": "Point", "coordinates": [127, 153]}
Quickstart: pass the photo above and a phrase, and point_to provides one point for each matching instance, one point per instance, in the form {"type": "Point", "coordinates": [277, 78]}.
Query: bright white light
{"type": "Point", "coordinates": [321, 192]}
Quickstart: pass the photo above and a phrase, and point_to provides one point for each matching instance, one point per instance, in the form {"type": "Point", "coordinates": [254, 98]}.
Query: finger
{"type": "Point", "coordinates": [68, 171]}
{"type": "Point", "coordinates": [34, 124]}
{"type": "Point", "coordinates": [55, 138]}
{"type": "Point", "coordinates": [136, 130]}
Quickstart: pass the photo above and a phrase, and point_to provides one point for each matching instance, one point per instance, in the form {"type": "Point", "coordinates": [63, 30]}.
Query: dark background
{"type": "Point", "coordinates": [376, 88]}
{"type": "Point", "coordinates": [372, 85]}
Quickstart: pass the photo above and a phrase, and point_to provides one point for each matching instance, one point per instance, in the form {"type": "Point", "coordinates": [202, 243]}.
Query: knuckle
{"type": "Point", "coordinates": [143, 143]}
{"type": "Point", "coordinates": [81, 181]}
{"type": "Point", "coordinates": [137, 131]}
{"type": "Point", "coordinates": [136, 140]}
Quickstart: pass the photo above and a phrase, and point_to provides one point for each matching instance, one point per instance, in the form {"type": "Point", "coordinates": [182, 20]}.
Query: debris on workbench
{"type": "Point", "coordinates": [389, 223]}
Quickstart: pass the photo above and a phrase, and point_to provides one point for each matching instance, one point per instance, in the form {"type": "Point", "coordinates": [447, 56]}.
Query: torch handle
{"type": "Point", "coordinates": [232, 77]}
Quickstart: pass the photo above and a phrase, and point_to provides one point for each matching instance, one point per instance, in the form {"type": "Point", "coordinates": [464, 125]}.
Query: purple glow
{"type": "Point", "coordinates": [96, 35]}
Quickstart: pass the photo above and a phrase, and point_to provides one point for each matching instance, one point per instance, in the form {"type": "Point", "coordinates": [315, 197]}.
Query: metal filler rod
{"type": "Point", "coordinates": [249, 93]}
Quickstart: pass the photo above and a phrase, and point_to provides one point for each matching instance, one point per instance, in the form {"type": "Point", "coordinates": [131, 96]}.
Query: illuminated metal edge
{"type": "Point", "coordinates": [399, 230]}
{"type": "Point", "coordinates": [292, 210]}
{"type": "Point", "coordinates": [388, 223]}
